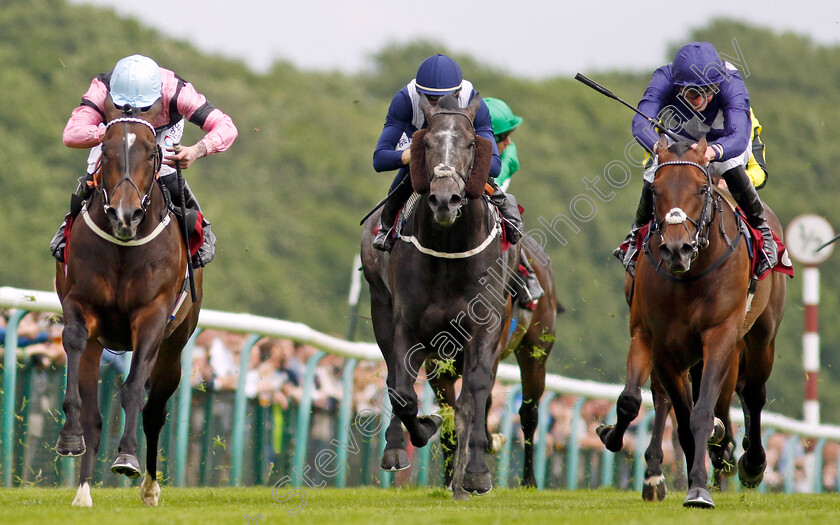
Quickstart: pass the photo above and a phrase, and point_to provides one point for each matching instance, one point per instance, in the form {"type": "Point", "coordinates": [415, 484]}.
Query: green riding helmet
{"type": "Point", "coordinates": [501, 116]}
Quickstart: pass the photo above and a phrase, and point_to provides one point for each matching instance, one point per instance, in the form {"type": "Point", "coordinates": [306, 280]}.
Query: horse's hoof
{"type": "Point", "coordinates": [83, 498]}
{"type": "Point", "coordinates": [750, 478]}
{"type": "Point", "coordinates": [150, 491]}
{"type": "Point", "coordinates": [698, 498]}
{"type": "Point", "coordinates": [723, 460]}
{"type": "Point", "coordinates": [394, 460]}
{"type": "Point", "coordinates": [529, 482]}
{"type": "Point", "coordinates": [718, 432]}
{"type": "Point", "coordinates": [460, 495]}
{"type": "Point", "coordinates": [127, 465]}
{"type": "Point", "coordinates": [654, 488]}
{"type": "Point", "coordinates": [429, 426]}
{"type": "Point", "coordinates": [604, 432]}
{"type": "Point", "coordinates": [477, 484]}
{"type": "Point", "coordinates": [72, 446]}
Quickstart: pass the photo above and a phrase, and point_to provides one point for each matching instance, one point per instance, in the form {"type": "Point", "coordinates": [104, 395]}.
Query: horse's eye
{"type": "Point", "coordinates": [471, 144]}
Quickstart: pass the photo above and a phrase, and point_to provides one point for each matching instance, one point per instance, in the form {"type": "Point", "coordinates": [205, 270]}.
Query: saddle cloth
{"type": "Point", "coordinates": [753, 238]}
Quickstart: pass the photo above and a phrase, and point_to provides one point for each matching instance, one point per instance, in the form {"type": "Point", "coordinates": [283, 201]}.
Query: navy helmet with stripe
{"type": "Point", "coordinates": [438, 75]}
{"type": "Point", "coordinates": [698, 64]}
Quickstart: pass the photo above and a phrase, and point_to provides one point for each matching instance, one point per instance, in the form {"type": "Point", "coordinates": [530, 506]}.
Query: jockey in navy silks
{"type": "Point", "coordinates": [700, 95]}
{"type": "Point", "coordinates": [437, 76]}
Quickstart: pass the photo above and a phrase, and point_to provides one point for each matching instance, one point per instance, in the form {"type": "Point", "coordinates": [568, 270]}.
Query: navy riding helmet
{"type": "Point", "coordinates": [698, 64]}
{"type": "Point", "coordinates": [438, 75]}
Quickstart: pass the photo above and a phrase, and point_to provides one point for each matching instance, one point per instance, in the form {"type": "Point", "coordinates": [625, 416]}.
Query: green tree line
{"type": "Point", "coordinates": [286, 199]}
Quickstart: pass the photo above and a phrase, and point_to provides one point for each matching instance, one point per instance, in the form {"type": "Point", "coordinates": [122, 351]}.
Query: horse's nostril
{"type": "Point", "coordinates": [433, 201]}
{"type": "Point", "coordinates": [664, 251]}
{"type": "Point", "coordinates": [137, 216]}
{"type": "Point", "coordinates": [111, 213]}
{"type": "Point", "coordinates": [686, 249]}
{"type": "Point", "coordinates": [455, 200]}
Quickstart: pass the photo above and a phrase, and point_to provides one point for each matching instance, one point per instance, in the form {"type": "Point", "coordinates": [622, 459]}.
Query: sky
{"type": "Point", "coordinates": [533, 39]}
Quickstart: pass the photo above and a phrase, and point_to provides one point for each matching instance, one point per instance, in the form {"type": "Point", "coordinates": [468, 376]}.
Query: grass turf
{"type": "Point", "coordinates": [208, 506]}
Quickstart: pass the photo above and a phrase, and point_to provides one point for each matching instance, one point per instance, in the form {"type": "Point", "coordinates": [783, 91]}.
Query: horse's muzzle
{"type": "Point", "coordinates": [677, 255]}
{"type": "Point", "coordinates": [124, 222]}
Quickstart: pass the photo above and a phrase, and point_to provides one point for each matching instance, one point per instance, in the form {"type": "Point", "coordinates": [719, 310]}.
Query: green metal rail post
{"type": "Point", "coordinates": [182, 438]}
{"type": "Point", "coordinates": [607, 457]}
{"type": "Point", "coordinates": [573, 448]}
{"type": "Point", "coordinates": [9, 392]}
{"type": "Point", "coordinates": [507, 432]}
{"type": "Point", "coordinates": [240, 409]}
{"type": "Point", "coordinates": [343, 431]}
{"type": "Point", "coordinates": [304, 415]}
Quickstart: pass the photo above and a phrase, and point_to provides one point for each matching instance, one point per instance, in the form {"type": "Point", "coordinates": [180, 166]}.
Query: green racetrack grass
{"type": "Point", "coordinates": [367, 505]}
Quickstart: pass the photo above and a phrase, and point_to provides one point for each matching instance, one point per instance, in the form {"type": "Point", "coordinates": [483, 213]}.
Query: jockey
{"type": "Point", "coordinates": [138, 81]}
{"type": "Point", "coordinates": [437, 76]}
{"type": "Point", "coordinates": [700, 95]}
{"type": "Point", "coordinates": [505, 123]}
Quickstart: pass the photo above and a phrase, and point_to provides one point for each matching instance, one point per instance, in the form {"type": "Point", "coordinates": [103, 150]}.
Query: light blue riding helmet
{"type": "Point", "coordinates": [136, 81]}
{"type": "Point", "coordinates": [438, 75]}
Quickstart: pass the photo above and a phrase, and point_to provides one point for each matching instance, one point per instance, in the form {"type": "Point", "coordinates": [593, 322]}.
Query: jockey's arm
{"type": "Point", "coordinates": [86, 125]}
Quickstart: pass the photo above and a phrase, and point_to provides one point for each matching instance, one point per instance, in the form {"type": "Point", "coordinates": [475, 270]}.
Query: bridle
{"type": "Point", "coordinates": [126, 176]}
{"type": "Point", "coordinates": [711, 204]}
{"type": "Point", "coordinates": [451, 171]}
{"type": "Point", "coordinates": [700, 239]}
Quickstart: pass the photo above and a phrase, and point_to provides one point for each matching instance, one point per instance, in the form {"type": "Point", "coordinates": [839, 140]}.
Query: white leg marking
{"type": "Point", "coordinates": [150, 491]}
{"type": "Point", "coordinates": [82, 498]}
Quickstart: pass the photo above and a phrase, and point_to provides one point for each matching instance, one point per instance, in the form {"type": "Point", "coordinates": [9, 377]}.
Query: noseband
{"type": "Point", "coordinates": [144, 198]}
{"type": "Point", "coordinates": [677, 216]}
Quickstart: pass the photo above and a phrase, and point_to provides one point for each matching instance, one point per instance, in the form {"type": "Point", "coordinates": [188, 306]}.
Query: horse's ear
{"type": "Point", "coordinates": [473, 106]}
{"type": "Point", "coordinates": [481, 167]}
{"type": "Point", "coordinates": [110, 110]}
{"type": "Point", "coordinates": [419, 178]}
{"type": "Point", "coordinates": [426, 107]}
{"type": "Point", "coordinates": [701, 146]}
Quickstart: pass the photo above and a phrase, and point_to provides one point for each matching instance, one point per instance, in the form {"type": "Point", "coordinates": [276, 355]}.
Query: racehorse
{"type": "Point", "coordinates": [122, 289]}
{"type": "Point", "coordinates": [693, 303]}
{"type": "Point", "coordinates": [435, 290]}
{"type": "Point", "coordinates": [529, 335]}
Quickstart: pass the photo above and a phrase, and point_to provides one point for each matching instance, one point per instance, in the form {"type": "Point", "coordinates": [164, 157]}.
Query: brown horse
{"type": "Point", "coordinates": [529, 335]}
{"type": "Point", "coordinates": [692, 304]}
{"type": "Point", "coordinates": [435, 291]}
{"type": "Point", "coordinates": [121, 289]}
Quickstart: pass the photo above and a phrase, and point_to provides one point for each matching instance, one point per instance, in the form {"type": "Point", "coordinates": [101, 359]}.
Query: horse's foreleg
{"type": "Point", "coordinates": [165, 377]}
{"type": "Point", "coordinates": [639, 366]}
{"type": "Point", "coordinates": [720, 372]}
{"type": "Point", "coordinates": [147, 333]}
{"type": "Point", "coordinates": [71, 441]}
{"type": "Point", "coordinates": [654, 488]}
{"type": "Point", "coordinates": [402, 373]}
{"type": "Point", "coordinates": [532, 373]}
{"type": "Point", "coordinates": [477, 382]}
{"type": "Point", "coordinates": [752, 463]}
{"type": "Point", "coordinates": [91, 420]}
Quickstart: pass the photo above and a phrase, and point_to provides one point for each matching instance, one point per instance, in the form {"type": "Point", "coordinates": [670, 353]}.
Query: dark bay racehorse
{"type": "Point", "coordinates": [434, 292]}
{"type": "Point", "coordinates": [529, 335]}
{"type": "Point", "coordinates": [691, 304]}
{"type": "Point", "coordinates": [120, 289]}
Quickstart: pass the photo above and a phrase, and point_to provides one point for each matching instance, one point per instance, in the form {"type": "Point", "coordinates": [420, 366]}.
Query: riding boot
{"type": "Point", "coordinates": [532, 291]}
{"type": "Point", "coordinates": [207, 252]}
{"type": "Point", "coordinates": [83, 191]}
{"type": "Point", "coordinates": [644, 213]}
{"type": "Point", "coordinates": [747, 198]}
{"type": "Point", "coordinates": [399, 193]}
{"type": "Point", "coordinates": [506, 203]}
